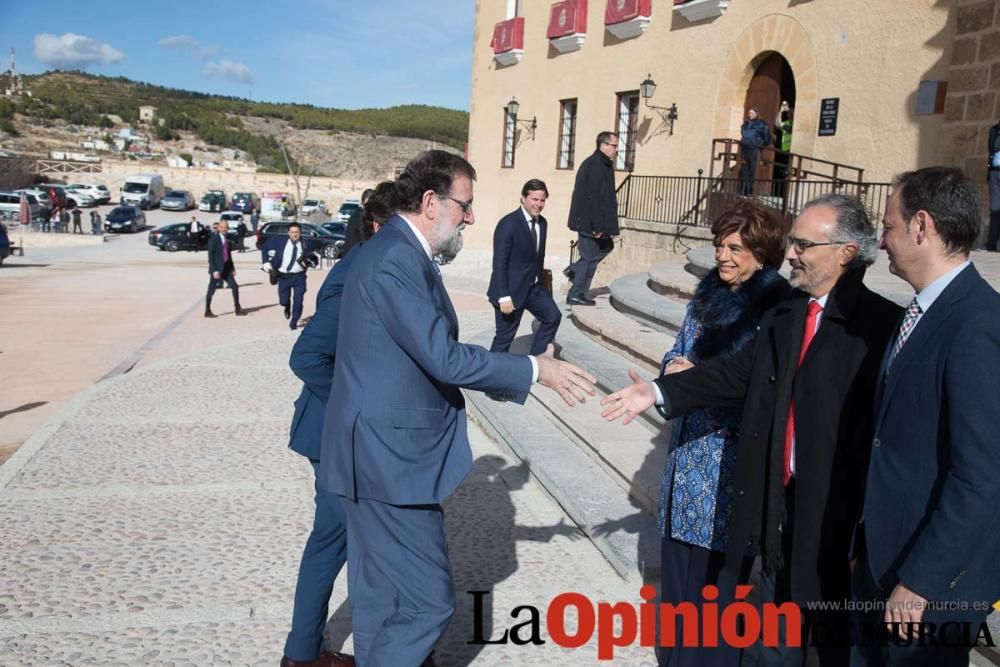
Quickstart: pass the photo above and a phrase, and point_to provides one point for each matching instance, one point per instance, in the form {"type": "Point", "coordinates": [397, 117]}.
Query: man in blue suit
{"type": "Point", "coordinates": [289, 259]}
{"type": "Point", "coordinates": [394, 440]}
{"type": "Point", "coordinates": [518, 261]}
{"type": "Point", "coordinates": [930, 516]}
{"type": "Point", "coordinates": [325, 552]}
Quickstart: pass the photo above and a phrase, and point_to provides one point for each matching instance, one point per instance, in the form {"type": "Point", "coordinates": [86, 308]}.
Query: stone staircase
{"type": "Point", "coordinates": [607, 477]}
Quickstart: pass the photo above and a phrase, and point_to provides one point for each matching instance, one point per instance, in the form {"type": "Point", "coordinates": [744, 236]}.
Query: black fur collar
{"type": "Point", "coordinates": [728, 317]}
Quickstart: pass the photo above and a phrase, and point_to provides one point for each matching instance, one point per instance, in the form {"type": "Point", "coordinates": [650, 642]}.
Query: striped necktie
{"type": "Point", "coordinates": [913, 312]}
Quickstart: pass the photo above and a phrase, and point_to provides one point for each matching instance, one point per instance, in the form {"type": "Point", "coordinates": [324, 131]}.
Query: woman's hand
{"type": "Point", "coordinates": [676, 365]}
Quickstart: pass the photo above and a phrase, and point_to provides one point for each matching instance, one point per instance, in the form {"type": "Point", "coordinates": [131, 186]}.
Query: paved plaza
{"type": "Point", "coordinates": [155, 515]}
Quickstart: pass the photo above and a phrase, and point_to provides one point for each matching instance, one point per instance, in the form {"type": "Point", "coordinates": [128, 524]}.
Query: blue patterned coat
{"type": "Point", "coordinates": [697, 485]}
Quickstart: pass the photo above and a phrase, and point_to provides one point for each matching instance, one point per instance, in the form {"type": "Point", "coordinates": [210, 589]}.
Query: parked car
{"type": "Point", "coordinates": [100, 193]}
{"type": "Point", "coordinates": [329, 245]}
{"type": "Point", "coordinates": [10, 207]}
{"type": "Point", "coordinates": [232, 217]}
{"type": "Point", "coordinates": [244, 202]}
{"type": "Point", "coordinates": [4, 243]}
{"type": "Point", "coordinates": [212, 201]}
{"type": "Point", "coordinates": [347, 208]}
{"type": "Point", "coordinates": [177, 237]}
{"type": "Point", "coordinates": [312, 205]}
{"type": "Point", "coordinates": [40, 195]}
{"type": "Point", "coordinates": [337, 228]}
{"type": "Point", "coordinates": [79, 197]}
{"type": "Point", "coordinates": [177, 200]}
{"type": "Point", "coordinates": [125, 218]}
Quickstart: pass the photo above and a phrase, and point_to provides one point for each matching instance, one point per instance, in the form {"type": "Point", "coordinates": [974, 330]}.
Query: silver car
{"type": "Point", "coordinates": [177, 200]}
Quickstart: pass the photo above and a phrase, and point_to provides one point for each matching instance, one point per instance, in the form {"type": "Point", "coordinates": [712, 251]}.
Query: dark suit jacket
{"type": "Point", "coordinates": [516, 263]}
{"type": "Point", "coordinates": [353, 235]}
{"type": "Point", "coordinates": [933, 496]}
{"type": "Point", "coordinates": [396, 430]}
{"type": "Point", "coordinates": [273, 250]}
{"type": "Point", "coordinates": [593, 207]}
{"type": "Point", "coordinates": [215, 256]}
{"type": "Point", "coordinates": [833, 390]}
{"type": "Point", "coordinates": [312, 361]}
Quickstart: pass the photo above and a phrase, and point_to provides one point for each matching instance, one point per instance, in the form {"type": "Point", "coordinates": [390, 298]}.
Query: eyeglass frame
{"type": "Point", "coordinates": [801, 245]}
{"type": "Point", "coordinates": [466, 206]}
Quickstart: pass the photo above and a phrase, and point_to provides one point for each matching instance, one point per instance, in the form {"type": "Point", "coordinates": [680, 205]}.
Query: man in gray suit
{"type": "Point", "coordinates": [394, 438]}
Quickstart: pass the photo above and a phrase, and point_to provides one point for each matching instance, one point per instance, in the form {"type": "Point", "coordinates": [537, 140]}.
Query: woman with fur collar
{"type": "Point", "coordinates": [697, 491]}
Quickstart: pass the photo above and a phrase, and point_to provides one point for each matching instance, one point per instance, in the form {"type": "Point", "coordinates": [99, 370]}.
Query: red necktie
{"type": "Point", "coordinates": [807, 335]}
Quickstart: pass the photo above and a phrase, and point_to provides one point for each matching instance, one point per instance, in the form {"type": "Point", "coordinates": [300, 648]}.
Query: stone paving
{"type": "Point", "coordinates": [159, 518]}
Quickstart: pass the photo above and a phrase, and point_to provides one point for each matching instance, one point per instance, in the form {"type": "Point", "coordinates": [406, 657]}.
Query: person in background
{"type": "Point", "coordinates": [354, 223]}
{"type": "Point", "coordinates": [516, 282]}
{"type": "Point", "coordinates": [754, 135]}
{"type": "Point", "coordinates": [241, 232]}
{"type": "Point", "coordinates": [697, 494]}
{"type": "Point", "coordinates": [95, 223]}
{"type": "Point", "coordinates": [993, 180]}
{"type": "Point", "coordinates": [254, 220]}
{"type": "Point", "coordinates": [221, 268]}
{"type": "Point", "coordinates": [63, 221]}
{"type": "Point", "coordinates": [77, 220]}
{"type": "Point", "coordinates": [290, 258]}
{"type": "Point", "coordinates": [593, 215]}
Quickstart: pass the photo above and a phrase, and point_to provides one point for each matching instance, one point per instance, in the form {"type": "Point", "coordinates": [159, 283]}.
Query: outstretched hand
{"type": "Point", "coordinates": [630, 401]}
{"type": "Point", "coordinates": [569, 381]}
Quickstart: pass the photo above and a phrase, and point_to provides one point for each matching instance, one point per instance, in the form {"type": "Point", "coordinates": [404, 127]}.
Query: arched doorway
{"type": "Point", "coordinates": [772, 83]}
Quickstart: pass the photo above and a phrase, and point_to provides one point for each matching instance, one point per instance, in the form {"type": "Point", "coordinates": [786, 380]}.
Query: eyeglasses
{"type": "Point", "coordinates": [801, 245]}
{"type": "Point", "coordinates": [466, 206]}
{"type": "Point", "coordinates": [608, 143]}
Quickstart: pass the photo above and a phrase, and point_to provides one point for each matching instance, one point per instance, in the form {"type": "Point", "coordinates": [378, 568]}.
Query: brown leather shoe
{"type": "Point", "coordinates": [209, 313]}
{"type": "Point", "coordinates": [240, 311]}
{"type": "Point", "coordinates": [324, 660]}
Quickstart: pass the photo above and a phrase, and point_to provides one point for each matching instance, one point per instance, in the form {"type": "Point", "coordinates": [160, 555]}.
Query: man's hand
{"type": "Point", "coordinates": [569, 381]}
{"type": "Point", "coordinates": [506, 307]}
{"type": "Point", "coordinates": [904, 607]}
{"type": "Point", "coordinates": [631, 401]}
{"type": "Point", "coordinates": [216, 275]}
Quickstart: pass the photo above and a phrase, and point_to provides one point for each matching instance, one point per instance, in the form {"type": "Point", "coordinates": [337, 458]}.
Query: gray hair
{"type": "Point", "coordinates": [854, 226]}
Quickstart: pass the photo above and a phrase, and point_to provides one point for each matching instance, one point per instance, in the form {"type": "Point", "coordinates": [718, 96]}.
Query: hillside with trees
{"type": "Point", "coordinates": [85, 99]}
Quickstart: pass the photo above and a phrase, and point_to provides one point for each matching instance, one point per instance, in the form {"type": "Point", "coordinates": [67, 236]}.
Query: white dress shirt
{"type": "Point", "coordinates": [286, 257]}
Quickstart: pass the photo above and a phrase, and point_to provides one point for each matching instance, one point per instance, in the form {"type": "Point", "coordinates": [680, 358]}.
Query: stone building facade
{"type": "Point", "coordinates": [916, 82]}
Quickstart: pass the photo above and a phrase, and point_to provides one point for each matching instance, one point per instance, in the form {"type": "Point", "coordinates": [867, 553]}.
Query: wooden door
{"type": "Point", "coordinates": [764, 93]}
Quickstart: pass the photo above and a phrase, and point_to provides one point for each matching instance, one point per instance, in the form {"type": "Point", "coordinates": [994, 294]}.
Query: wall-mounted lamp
{"type": "Point", "coordinates": [512, 108]}
{"type": "Point", "coordinates": [667, 114]}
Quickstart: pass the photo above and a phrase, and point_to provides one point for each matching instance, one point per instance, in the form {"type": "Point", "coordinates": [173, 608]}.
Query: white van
{"type": "Point", "coordinates": [142, 190]}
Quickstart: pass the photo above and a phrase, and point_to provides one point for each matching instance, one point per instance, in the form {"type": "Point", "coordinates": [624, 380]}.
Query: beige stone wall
{"type": "Point", "coordinates": [872, 54]}
{"type": "Point", "coordinates": [973, 102]}
{"type": "Point", "coordinates": [199, 181]}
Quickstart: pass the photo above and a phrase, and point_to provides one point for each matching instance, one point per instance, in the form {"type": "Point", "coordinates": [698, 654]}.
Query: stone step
{"type": "Point", "coordinates": [638, 342]}
{"type": "Point", "coordinates": [631, 294]}
{"type": "Point", "coordinates": [561, 447]}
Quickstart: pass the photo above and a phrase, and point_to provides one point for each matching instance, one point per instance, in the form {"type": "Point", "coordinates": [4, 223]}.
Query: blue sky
{"type": "Point", "coordinates": [332, 53]}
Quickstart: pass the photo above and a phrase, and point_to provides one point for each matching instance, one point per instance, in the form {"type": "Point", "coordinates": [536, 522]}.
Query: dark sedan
{"type": "Point", "coordinates": [329, 244]}
{"type": "Point", "coordinates": [178, 237]}
{"type": "Point", "coordinates": [125, 219]}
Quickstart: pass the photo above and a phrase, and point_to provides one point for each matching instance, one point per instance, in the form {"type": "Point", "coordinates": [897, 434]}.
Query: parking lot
{"type": "Point", "coordinates": [73, 314]}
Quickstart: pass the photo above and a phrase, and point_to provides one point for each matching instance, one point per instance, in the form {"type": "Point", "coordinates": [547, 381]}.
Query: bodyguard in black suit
{"type": "Point", "coordinates": [221, 268]}
{"type": "Point", "coordinates": [805, 386]}
{"type": "Point", "coordinates": [289, 259]}
{"type": "Point", "coordinates": [930, 514]}
{"type": "Point", "coordinates": [518, 261]}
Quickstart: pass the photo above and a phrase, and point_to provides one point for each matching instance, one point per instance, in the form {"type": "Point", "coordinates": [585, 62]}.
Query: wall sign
{"type": "Point", "coordinates": [828, 109]}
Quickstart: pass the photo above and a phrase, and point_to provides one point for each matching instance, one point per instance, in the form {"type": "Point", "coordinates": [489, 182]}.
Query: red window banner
{"type": "Point", "coordinates": [508, 35]}
{"type": "Point", "coordinates": [619, 11]}
{"type": "Point", "coordinates": [568, 17]}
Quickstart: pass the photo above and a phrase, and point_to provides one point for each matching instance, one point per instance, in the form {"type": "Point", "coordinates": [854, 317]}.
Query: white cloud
{"type": "Point", "coordinates": [228, 69]}
{"type": "Point", "coordinates": [178, 42]}
{"type": "Point", "coordinates": [207, 52]}
{"type": "Point", "coordinates": [72, 50]}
